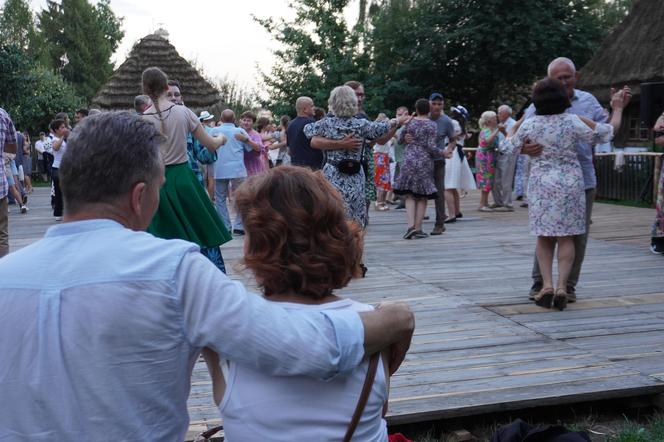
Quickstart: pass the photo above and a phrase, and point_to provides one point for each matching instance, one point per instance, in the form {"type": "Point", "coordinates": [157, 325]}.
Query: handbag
{"type": "Point", "coordinates": [349, 166]}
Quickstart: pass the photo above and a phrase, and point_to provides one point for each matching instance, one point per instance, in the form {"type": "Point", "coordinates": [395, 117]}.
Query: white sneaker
{"type": "Point", "coordinates": [24, 208]}
{"type": "Point", "coordinates": [58, 218]}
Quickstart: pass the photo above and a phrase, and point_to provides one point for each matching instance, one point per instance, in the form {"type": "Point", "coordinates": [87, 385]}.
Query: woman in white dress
{"type": "Point", "coordinates": [556, 195]}
{"type": "Point", "coordinates": [458, 175]}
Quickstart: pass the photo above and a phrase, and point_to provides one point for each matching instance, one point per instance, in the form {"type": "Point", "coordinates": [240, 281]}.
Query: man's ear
{"type": "Point", "coordinates": [138, 198]}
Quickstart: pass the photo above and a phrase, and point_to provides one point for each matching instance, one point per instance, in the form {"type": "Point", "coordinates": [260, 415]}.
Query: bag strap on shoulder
{"type": "Point", "coordinates": [364, 396]}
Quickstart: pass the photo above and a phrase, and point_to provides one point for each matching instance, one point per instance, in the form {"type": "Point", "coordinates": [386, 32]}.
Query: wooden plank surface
{"type": "Point", "coordinates": [480, 346]}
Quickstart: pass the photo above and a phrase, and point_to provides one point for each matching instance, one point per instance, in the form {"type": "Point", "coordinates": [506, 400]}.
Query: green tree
{"type": "Point", "coordinates": [475, 51]}
{"type": "Point", "coordinates": [87, 36]}
{"type": "Point", "coordinates": [33, 93]}
{"type": "Point", "coordinates": [17, 27]}
{"type": "Point", "coordinates": [319, 52]}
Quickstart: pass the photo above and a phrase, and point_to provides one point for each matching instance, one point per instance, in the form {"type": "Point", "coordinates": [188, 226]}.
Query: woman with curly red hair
{"type": "Point", "coordinates": [301, 248]}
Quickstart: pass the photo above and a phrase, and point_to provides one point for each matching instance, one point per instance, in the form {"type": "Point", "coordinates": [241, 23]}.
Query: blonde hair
{"type": "Point", "coordinates": [486, 116]}
{"type": "Point", "coordinates": [343, 102]}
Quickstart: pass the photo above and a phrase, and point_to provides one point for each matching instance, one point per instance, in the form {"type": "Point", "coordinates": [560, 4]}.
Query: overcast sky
{"type": "Point", "coordinates": [220, 35]}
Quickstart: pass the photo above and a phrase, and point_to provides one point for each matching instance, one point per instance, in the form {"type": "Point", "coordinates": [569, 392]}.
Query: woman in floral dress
{"type": "Point", "coordinates": [415, 181]}
{"type": "Point", "coordinates": [486, 157]}
{"type": "Point", "coordinates": [382, 178]}
{"type": "Point", "coordinates": [343, 106]}
{"type": "Point", "coordinates": [556, 196]}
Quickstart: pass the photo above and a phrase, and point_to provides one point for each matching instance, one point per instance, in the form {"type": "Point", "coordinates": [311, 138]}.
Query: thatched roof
{"type": "Point", "coordinates": [631, 54]}
{"type": "Point", "coordinates": [154, 50]}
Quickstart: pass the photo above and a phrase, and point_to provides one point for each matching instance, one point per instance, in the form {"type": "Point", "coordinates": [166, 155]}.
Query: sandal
{"type": "Point", "coordinates": [560, 299]}
{"type": "Point", "coordinates": [545, 297]}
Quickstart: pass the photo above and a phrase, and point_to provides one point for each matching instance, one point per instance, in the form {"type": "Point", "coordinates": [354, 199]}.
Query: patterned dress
{"type": "Point", "coordinates": [381, 157]}
{"type": "Point", "coordinates": [351, 187]}
{"type": "Point", "coordinates": [486, 161]}
{"type": "Point", "coordinates": [416, 171]}
{"type": "Point", "coordinates": [556, 191]}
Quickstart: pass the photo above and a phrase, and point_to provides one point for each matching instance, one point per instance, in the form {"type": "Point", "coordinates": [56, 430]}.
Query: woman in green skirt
{"type": "Point", "coordinates": [185, 211]}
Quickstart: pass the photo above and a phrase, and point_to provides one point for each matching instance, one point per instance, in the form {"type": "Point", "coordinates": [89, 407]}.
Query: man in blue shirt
{"type": "Point", "coordinates": [104, 344]}
{"type": "Point", "coordinates": [586, 105]}
{"type": "Point", "coordinates": [229, 169]}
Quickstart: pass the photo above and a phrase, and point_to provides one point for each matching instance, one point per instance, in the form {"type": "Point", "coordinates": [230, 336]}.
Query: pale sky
{"type": "Point", "coordinates": [220, 35]}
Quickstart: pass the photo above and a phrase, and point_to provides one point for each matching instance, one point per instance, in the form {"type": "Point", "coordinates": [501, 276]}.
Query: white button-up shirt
{"type": "Point", "coordinates": [104, 345]}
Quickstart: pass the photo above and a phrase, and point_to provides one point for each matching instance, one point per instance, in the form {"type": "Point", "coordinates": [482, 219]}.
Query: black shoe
{"type": "Point", "coordinates": [571, 294]}
{"type": "Point", "coordinates": [410, 233]}
{"type": "Point", "coordinates": [25, 199]}
{"type": "Point", "coordinates": [449, 220]}
{"type": "Point", "coordinates": [401, 205]}
{"type": "Point", "coordinates": [459, 215]}
{"type": "Point", "coordinates": [657, 245]}
{"type": "Point", "coordinates": [535, 289]}
{"type": "Point", "coordinates": [238, 232]}
{"type": "Point", "coordinates": [426, 217]}
{"type": "Point", "coordinates": [364, 270]}
{"type": "Point", "coordinates": [420, 234]}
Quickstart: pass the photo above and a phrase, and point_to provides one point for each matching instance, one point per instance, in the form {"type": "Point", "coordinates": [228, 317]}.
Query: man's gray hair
{"type": "Point", "coordinates": [559, 60]}
{"type": "Point", "coordinates": [343, 102]}
{"type": "Point", "coordinates": [140, 101]}
{"type": "Point", "coordinates": [506, 108]}
{"type": "Point", "coordinates": [301, 102]}
{"type": "Point", "coordinates": [107, 155]}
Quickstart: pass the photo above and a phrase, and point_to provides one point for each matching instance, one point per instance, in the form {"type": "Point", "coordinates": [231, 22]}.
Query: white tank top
{"type": "Point", "coordinates": [258, 407]}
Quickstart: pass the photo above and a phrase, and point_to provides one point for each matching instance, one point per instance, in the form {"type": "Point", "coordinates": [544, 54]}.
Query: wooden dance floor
{"type": "Point", "coordinates": [480, 346]}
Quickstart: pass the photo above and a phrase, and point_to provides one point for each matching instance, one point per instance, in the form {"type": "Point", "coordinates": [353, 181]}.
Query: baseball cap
{"type": "Point", "coordinates": [436, 96]}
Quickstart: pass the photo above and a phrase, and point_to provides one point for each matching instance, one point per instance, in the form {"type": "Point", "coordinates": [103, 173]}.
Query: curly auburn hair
{"type": "Point", "coordinates": [298, 239]}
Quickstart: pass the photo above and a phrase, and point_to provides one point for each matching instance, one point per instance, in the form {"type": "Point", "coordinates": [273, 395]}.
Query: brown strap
{"type": "Point", "coordinates": [364, 397]}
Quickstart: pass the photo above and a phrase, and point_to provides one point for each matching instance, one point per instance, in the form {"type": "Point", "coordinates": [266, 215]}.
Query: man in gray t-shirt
{"type": "Point", "coordinates": [446, 142]}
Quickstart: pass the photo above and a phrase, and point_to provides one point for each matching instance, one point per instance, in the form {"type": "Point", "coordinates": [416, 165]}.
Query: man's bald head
{"type": "Point", "coordinates": [304, 106]}
{"type": "Point", "coordinates": [228, 116]}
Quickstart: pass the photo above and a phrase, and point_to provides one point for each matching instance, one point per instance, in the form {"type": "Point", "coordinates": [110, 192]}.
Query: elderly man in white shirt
{"type": "Point", "coordinates": [505, 165]}
{"type": "Point", "coordinates": [103, 347]}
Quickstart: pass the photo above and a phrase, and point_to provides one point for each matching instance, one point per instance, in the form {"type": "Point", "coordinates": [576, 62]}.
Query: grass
{"type": "Point", "coordinates": [603, 427]}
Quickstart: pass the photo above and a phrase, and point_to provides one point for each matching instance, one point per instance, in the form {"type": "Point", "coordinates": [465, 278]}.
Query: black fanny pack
{"type": "Point", "coordinates": [349, 166]}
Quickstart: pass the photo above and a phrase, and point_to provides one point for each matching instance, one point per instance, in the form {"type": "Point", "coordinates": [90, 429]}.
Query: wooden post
{"type": "Point", "coordinates": [655, 179]}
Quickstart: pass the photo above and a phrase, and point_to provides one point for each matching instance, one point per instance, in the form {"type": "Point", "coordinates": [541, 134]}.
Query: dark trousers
{"type": "Point", "coordinates": [57, 208]}
{"type": "Point", "coordinates": [48, 165]}
{"type": "Point", "coordinates": [439, 178]}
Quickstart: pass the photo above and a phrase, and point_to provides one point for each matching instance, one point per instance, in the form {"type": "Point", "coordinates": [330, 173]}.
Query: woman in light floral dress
{"type": "Point", "coordinates": [556, 196]}
{"type": "Point", "coordinates": [657, 241]}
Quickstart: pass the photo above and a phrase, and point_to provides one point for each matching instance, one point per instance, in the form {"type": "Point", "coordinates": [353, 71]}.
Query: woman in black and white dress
{"type": "Point", "coordinates": [458, 175]}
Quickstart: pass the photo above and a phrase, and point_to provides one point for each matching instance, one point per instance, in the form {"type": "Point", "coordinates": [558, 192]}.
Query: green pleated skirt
{"type": "Point", "coordinates": [185, 211]}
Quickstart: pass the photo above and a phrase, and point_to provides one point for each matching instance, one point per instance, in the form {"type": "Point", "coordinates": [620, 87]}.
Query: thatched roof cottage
{"type": "Point", "coordinates": [631, 54]}
{"type": "Point", "coordinates": [155, 50]}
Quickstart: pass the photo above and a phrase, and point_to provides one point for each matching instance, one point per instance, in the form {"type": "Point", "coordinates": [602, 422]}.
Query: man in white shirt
{"type": "Point", "coordinates": [505, 165]}
{"type": "Point", "coordinates": [103, 347]}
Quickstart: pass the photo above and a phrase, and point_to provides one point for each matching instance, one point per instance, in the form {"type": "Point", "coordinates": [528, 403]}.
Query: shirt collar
{"type": "Point", "coordinates": [75, 227]}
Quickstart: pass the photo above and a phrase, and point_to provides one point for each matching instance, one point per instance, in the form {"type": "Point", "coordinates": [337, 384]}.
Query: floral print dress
{"type": "Point", "coordinates": [351, 187]}
{"type": "Point", "coordinates": [556, 191]}
{"type": "Point", "coordinates": [416, 171]}
{"type": "Point", "coordinates": [486, 161]}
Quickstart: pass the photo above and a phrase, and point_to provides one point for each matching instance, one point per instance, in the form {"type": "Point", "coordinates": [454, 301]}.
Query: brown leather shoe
{"type": "Point", "coordinates": [438, 230]}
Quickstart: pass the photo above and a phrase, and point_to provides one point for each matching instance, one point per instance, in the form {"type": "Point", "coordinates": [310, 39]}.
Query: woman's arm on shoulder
{"type": "Point", "coordinates": [211, 143]}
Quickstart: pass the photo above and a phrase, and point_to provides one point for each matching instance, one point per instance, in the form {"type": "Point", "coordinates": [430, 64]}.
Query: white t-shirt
{"type": "Point", "coordinates": [263, 407]}
{"type": "Point", "coordinates": [57, 154]}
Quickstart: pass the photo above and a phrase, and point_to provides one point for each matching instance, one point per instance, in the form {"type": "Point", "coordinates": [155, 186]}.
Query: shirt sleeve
{"type": "Point", "coordinates": [603, 132]}
{"type": "Point", "coordinates": [9, 130]}
{"type": "Point", "coordinates": [314, 129]}
{"type": "Point", "coordinates": [374, 129]}
{"type": "Point", "coordinates": [192, 120]}
{"type": "Point", "coordinates": [245, 328]}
